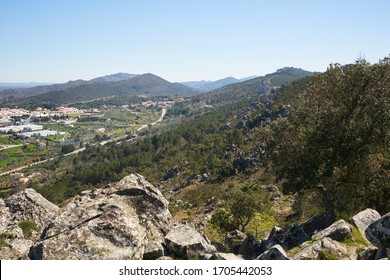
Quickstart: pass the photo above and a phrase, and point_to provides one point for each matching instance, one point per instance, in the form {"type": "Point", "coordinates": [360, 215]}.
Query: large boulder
{"type": "Point", "coordinates": [314, 224]}
{"type": "Point", "coordinates": [378, 233]}
{"type": "Point", "coordinates": [294, 237]}
{"type": "Point", "coordinates": [250, 248]}
{"type": "Point", "coordinates": [365, 218]}
{"type": "Point", "coordinates": [325, 248]}
{"type": "Point", "coordinates": [184, 242]}
{"type": "Point", "coordinates": [116, 222]}
{"type": "Point", "coordinates": [338, 231]}
{"type": "Point", "coordinates": [153, 250]}
{"type": "Point", "coordinates": [274, 253]}
{"type": "Point", "coordinates": [28, 205]}
{"type": "Point", "coordinates": [22, 218]}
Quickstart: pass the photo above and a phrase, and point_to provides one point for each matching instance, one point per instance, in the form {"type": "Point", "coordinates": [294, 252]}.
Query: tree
{"type": "Point", "coordinates": [239, 210]}
{"type": "Point", "coordinates": [334, 130]}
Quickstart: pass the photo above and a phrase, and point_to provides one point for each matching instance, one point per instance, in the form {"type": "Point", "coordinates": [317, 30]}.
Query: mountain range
{"type": "Point", "coordinates": [123, 84]}
{"type": "Point", "coordinates": [211, 85]}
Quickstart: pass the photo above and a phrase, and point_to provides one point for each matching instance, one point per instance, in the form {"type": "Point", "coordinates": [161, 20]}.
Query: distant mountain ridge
{"type": "Point", "coordinates": [111, 85]}
{"type": "Point", "coordinates": [34, 89]}
{"type": "Point", "coordinates": [211, 85]}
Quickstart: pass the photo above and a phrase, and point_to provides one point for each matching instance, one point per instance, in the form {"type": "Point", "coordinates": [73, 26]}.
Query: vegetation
{"type": "Point", "coordinates": [28, 226]}
{"type": "Point", "coordinates": [240, 209]}
{"type": "Point", "coordinates": [336, 138]}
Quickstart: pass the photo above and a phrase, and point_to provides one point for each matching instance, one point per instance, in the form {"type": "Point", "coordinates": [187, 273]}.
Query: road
{"type": "Point", "coordinates": [4, 147]}
{"type": "Point", "coordinates": [164, 111]}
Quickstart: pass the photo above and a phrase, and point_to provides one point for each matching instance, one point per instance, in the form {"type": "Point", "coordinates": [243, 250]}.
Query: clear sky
{"type": "Point", "coordinates": [61, 40]}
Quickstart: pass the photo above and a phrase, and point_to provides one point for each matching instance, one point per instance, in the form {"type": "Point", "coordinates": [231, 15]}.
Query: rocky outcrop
{"type": "Point", "coordinates": [250, 248]}
{"type": "Point", "coordinates": [28, 205]}
{"type": "Point", "coordinates": [294, 237]}
{"type": "Point", "coordinates": [274, 253]}
{"type": "Point", "coordinates": [18, 213]}
{"type": "Point", "coordinates": [153, 250]}
{"type": "Point", "coordinates": [365, 218]}
{"type": "Point", "coordinates": [339, 231]}
{"type": "Point", "coordinates": [378, 233]}
{"type": "Point", "coordinates": [325, 248]}
{"type": "Point", "coordinates": [184, 242]}
{"type": "Point", "coordinates": [116, 222]}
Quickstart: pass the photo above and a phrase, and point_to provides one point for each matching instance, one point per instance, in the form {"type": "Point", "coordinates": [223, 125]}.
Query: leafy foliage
{"type": "Point", "coordinates": [336, 138]}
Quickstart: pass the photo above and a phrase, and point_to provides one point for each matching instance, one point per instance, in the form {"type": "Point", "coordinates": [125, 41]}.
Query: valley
{"type": "Point", "coordinates": [248, 158]}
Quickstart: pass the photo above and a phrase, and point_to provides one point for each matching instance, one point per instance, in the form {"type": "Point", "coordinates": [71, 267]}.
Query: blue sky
{"type": "Point", "coordinates": [57, 41]}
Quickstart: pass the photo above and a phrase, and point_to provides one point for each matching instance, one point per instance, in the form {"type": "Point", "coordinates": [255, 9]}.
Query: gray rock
{"type": "Point", "coordinates": [326, 245]}
{"type": "Point", "coordinates": [338, 231]}
{"type": "Point", "coordinates": [276, 234]}
{"type": "Point", "coordinates": [272, 191]}
{"type": "Point", "coordinates": [365, 218]}
{"type": "Point", "coordinates": [378, 233]}
{"type": "Point", "coordinates": [314, 224]}
{"type": "Point", "coordinates": [294, 237]}
{"type": "Point", "coordinates": [116, 222]}
{"type": "Point", "coordinates": [27, 205]}
{"type": "Point", "coordinates": [274, 253]}
{"type": "Point", "coordinates": [184, 242]}
{"type": "Point", "coordinates": [367, 254]}
{"type": "Point", "coordinates": [225, 256]}
{"type": "Point", "coordinates": [250, 248]}
{"type": "Point", "coordinates": [153, 250]}
{"type": "Point", "coordinates": [382, 253]}
{"type": "Point", "coordinates": [234, 240]}
{"type": "Point", "coordinates": [30, 205]}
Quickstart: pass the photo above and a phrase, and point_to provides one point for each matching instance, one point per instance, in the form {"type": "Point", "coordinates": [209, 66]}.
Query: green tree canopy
{"type": "Point", "coordinates": [336, 137]}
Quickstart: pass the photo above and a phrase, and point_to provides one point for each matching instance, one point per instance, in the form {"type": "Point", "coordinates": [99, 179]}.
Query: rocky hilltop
{"type": "Point", "coordinates": [131, 220]}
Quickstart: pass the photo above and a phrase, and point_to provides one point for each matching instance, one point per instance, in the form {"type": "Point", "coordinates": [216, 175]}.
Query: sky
{"type": "Point", "coordinates": [62, 40]}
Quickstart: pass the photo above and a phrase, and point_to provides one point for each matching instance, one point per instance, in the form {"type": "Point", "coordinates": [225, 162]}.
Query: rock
{"type": "Point", "coordinates": [367, 254]}
{"type": "Point", "coordinates": [294, 237]}
{"type": "Point", "coordinates": [225, 256]}
{"type": "Point", "coordinates": [165, 258]}
{"type": "Point", "coordinates": [378, 233]}
{"type": "Point", "coordinates": [116, 222]}
{"type": "Point", "coordinates": [365, 218]}
{"type": "Point", "coordinates": [276, 234]}
{"type": "Point", "coordinates": [29, 205]}
{"type": "Point", "coordinates": [274, 253]}
{"type": "Point", "coordinates": [314, 224]}
{"type": "Point", "coordinates": [184, 242]}
{"type": "Point", "coordinates": [338, 231]}
{"type": "Point", "coordinates": [272, 191]}
{"type": "Point", "coordinates": [327, 246]}
{"type": "Point", "coordinates": [250, 248]}
{"type": "Point", "coordinates": [234, 240]}
{"type": "Point", "coordinates": [153, 250]}
{"type": "Point", "coordinates": [383, 253]}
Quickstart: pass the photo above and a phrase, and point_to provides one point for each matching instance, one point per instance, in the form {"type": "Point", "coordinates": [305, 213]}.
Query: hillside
{"type": "Point", "coordinates": [211, 85]}
{"type": "Point", "coordinates": [253, 87]}
{"type": "Point", "coordinates": [146, 84]}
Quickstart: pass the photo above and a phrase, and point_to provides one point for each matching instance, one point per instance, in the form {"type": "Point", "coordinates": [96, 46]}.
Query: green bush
{"type": "Point", "coordinates": [28, 226]}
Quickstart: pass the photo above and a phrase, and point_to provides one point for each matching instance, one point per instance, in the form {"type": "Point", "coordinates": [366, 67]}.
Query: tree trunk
{"type": "Point", "coordinates": [328, 201]}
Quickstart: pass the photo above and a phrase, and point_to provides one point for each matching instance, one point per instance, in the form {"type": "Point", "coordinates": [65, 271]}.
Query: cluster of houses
{"type": "Point", "coordinates": [20, 177]}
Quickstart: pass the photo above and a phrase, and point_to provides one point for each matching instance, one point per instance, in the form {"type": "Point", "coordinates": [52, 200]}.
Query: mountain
{"type": "Point", "coordinates": [31, 89]}
{"type": "Point", "coordinates": [114, 78]}
{"type": "Point", "coordinates": [22, 85]}
{"type": "Point", "coordinates": [253, 87]}
{"type": "Point", "coordinates": [211, 85]}
{"type": "Point", "coordinates": [146, 84]}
